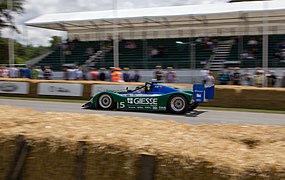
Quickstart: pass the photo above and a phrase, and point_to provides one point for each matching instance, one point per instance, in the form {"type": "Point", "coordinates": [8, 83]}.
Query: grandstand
{"type": "Point", "coordinates": [133, 57]}
{"type": "Point", "coordinates": [196, 36]}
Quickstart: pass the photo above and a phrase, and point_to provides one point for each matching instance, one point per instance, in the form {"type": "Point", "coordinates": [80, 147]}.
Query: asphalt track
{"type": "Point", "coordinates": [200, 116]}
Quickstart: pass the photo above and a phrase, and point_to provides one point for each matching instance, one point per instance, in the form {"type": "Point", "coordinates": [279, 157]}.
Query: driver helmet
{"type": "Point", "coordinates": [147, 87]}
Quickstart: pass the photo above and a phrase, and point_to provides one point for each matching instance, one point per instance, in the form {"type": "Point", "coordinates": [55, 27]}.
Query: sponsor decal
{"type": "Point", "coordinates": [58, 89]}
{"type": "Point", "coordinates": [198, 91]}
{"type": "Point", "coordinates": [14, 87]}
{"type": "Point", "coordinates": [162, 107]}
{"type": "Point", "coordinates": [8, 87]}
{"type": "Point", "coordinates": [130, 100]}
{"type": "Point", "coordinates": [142, 101]}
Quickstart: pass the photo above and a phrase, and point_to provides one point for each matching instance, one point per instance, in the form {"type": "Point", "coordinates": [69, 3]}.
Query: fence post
{"type": "Point", "coordinates": [147, 167]}
{"type": "Point", "coordinates": [80, 161]}
{"type": "Point", "coordinates": [22, 149]}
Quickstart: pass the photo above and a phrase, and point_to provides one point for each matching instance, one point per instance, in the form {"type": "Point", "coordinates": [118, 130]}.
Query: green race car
{"type": "Point", "coordinates": [150, 97]}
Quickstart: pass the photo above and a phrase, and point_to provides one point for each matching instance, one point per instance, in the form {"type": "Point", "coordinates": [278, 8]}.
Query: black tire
{"type": "Point", "coordinates": [177, 104]}
{"type": "Point", "coordinates": [105, 101]}
{"type": "Point", "coordinates": [193, 106]}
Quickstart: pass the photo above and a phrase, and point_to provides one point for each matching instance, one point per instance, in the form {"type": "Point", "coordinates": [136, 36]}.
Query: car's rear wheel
{"type": "Point", "coordinates": [178, 104]}
{"type": "Point", "coordinates": [193, 106]}
{"type": "Point", "coordinates": [105, 101]}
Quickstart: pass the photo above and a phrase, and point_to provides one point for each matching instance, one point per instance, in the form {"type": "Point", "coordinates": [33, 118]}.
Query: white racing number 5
{"type": "Point", "coordinates": [122, 105]}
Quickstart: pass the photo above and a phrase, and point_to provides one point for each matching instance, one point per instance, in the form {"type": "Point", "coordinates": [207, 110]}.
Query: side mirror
{"type": "Point", "coordinates": [127, 88]}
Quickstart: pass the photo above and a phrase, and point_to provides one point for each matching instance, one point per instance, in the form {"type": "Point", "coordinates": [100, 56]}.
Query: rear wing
{"type": "Point", "coordinates": [203, 93]}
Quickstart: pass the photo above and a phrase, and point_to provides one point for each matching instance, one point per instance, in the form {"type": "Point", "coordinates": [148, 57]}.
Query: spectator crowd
{"type": "Point", "coordinates": [258, 78]}
{"type": "Point", "coordinates": [72, 73]}
{"type": "Point", "coordinates": [228, 76]}
{"type": "Point", "coordinates": [29, 72]}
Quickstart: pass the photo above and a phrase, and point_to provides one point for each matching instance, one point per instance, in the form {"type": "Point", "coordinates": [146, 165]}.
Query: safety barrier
{"type": "Point", "coordinates": [249, 97]}
{"type": "Point", "coordinates": [225, 96]}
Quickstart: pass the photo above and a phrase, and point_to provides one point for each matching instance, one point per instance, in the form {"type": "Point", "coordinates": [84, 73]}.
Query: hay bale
{"type": "Point", "coordinates": [110, 161]}
{"type": "Point", "coordinates": [7, 154]}
{"type": "Point", "coordinates": [114, 145]}
{"type": "Point", "coordinates": [48, 161]}
{"type": "Point", "coordinates": [248, 97]}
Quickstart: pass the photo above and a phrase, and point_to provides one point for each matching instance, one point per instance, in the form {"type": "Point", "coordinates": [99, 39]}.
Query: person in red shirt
{"type": "Point", "coordinates": [94, 74]}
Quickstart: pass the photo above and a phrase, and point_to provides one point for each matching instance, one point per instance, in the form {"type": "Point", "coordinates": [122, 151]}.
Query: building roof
{"type": "Point", "coordinates": [220, 14]}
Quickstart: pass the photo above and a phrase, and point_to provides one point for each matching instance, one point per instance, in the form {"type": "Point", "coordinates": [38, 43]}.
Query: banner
{"type": "Point", "coordinates": [60, 89]}
{"type": "Point", "coordinates": [7, 87]}
{"type": "Point", "coordinates": [199, 92]}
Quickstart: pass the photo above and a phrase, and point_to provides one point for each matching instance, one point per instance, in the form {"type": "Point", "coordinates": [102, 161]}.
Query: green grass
{"type": "Point", "coordinates": [200, 107]}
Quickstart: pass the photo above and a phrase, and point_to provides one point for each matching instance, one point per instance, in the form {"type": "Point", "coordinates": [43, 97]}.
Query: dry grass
{"type": "Point", "coordinates": [115, 143]}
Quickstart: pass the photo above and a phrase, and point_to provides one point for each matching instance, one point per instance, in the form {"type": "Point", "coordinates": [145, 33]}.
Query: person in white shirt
{"type": "Point", "coordinates": [71, 73]}
{"type": "Point", "coordinates": [78, 73]}
{"type": "Point", "coordinates": [13, 72]}
{"type": "Point", "coordinates": [209, 79]}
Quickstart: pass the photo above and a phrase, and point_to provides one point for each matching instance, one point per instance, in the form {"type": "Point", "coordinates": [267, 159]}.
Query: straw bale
{"type": "Point", "coordinates": [108, 161]}
{"type": "Point", "coordinates": [114, 145]}
{"type": "Point", "coordinates": [7, 153]}
{"type": "Point", "coordinates": [248, 97]}
{"type": "Point", "coordinates": [48, 161]}
{"type": "Point", "coordinates": [16, 79]}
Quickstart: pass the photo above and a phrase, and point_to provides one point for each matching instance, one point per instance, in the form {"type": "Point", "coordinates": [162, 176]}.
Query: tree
{"type": "Point", "coordinates": [6, 17]}
{"type": "Point", "coordinates": [22, 52]}
{"type": "Point", "coordinates": [4, 51]}
{"type": "Point", "coordinates": [232, 1]}
{"type": "Point", "coordinates": [55, 41]}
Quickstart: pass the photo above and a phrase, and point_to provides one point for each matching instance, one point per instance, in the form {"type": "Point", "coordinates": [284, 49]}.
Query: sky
{"type": "Point", "coordinates": [35, 8]}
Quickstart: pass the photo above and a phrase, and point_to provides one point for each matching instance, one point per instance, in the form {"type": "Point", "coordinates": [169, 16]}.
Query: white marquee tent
{"type": "Point", "coordinates": [222, 19]}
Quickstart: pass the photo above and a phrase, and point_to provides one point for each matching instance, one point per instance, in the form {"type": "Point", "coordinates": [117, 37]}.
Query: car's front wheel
{"type": "Point", "coordinates": [177, 104]}
{"type": "Point", "coordinates": [105, 101]}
